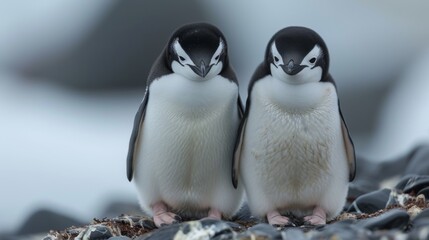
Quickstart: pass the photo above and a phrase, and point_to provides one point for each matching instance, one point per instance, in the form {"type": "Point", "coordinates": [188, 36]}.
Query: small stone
{"type": "Point", "coordinates": [202, 229]}
{"type": "Point", "coordinates": [147, 224]}
{"type": "Point", "coordinates": [95, 232]}
{"type": "Point", "coordinates": [424, 192]}
{"type": "Point", "coordinates": [340, 230]}
{"type": "Point", "coordinates": [393, 219]}
{"type": "Point", "coordinates": [293, 234]}
{"type": "Point", "coordinates": [345, 216]}
{"type": "Point", "coordinates": [371, 202]}
{"type": "Point", "coordinates": [265, 230]}
{"type": "Point", "coordinates": [50, 237]}
{"type": "Point", "coordinates": [414, 211]}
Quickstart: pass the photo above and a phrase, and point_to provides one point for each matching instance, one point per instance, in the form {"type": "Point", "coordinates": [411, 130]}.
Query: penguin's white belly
{"type": "Point", "coordinates": [293, 151]}
{"type": "Point", "coordinates": [187, 142]}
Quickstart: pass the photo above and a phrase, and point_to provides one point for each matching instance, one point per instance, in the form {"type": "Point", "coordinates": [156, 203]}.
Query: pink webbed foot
{"type": "Point", "coordinates": [318, 217]}
{"type": "Point", "coordinates": [276, 219]}
{"type": "Point", "coordinates": [214, 214]}
{"type": "Point", "coordinates": [162, 217]}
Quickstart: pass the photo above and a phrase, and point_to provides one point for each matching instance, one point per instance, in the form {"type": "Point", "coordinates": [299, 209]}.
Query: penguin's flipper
{"type": "Point", "coordinates": [138, 123]}
{"type": "Point", "coordinates": [240, 107]}
{"type": "Point", "coordinates": [237, 152]}
{"type": "Point", "coordinates": [350, 149]}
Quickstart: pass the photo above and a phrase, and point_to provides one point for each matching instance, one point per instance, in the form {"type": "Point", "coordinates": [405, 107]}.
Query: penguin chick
{"type": "Point", "coordinates": [181, 147]}
{"type": "Point", "coordinates": [294, 154]}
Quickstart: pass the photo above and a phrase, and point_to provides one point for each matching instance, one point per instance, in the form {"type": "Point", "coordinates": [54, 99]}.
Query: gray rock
{"type": "Point", "coordinates": [425, 192]}
{"type": "Point", "coordinates": [424, 214]}
{"type": "Point", "coordinates": [204, 229]}
{"type": "Point", "coordinates": [293, 234]}
{"type": "Point", "coordinates": [96, 232]}
{"type": "Point", "coordinates": [419, 232]}
{"type": "Point", "coordinates": [341, 230]}
{"type": "Point", "coordinates": [265, 230]}
{"type": "Point", "coordinates": [371, 202]}
{"type": "Point", "coordinates": [418, 162]}
{"type": "Point", "coordinates": [416, 183]}
{"type": "Point", "coordinates": [120, 238]}
{"type": "Point", "coordinates": [393, 219]}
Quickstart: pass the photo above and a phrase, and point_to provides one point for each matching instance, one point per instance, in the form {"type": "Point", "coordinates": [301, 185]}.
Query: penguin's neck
{"type": "Point", "coordinates": [299, 98]}
{"type": "Point", "coordinates": [188, 95]}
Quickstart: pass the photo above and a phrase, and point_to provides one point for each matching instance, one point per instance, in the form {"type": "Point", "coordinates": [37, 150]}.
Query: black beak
{"type": "Point", "coordinates": [291, 68]}
{"type": "Point", "coordinates": [202, 70]}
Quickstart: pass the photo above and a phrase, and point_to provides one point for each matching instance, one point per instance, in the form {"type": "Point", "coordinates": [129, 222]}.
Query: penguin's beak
{"type": "Point", "coordinates": [202, 70]}
{"type": "Point", "coordinates": [291, 68]}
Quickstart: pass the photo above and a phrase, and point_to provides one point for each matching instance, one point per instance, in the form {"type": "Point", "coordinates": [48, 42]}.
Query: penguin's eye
{"type": "Point", "coordinates": [312, 60]}
{"type": "Point", "coordinates": [217, 57]}
{"type": "Point", "coordinates": [181, 58]}
{"type": "Point", "coordinates": [276, 59]}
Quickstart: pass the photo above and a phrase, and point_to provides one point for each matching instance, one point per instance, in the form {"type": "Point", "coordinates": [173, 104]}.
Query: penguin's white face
{"type": "Point", "coordinates": [292, 73]}
{"type": "Point", "coordinates": [197, 70]}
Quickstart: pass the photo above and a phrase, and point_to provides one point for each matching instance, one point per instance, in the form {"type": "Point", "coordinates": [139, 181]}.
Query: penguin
{"type": "Point", "coordinates": [182, 144]}
{"type": "Point", "coordinates": [294, 152]}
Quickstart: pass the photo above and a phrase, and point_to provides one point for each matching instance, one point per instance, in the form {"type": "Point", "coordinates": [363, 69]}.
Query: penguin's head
{"type": "Point", "coordinates": [197, 51]}
{"type": "Point", "coordinates": [297, 55]}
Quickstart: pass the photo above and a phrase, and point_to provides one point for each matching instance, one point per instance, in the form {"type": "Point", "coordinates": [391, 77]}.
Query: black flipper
{"type": "Point", "coordinates": [349, 146]}
{"type": "Point", "coordinates": [138, 122]}
{"type": "Point", "coordinates": [348, 143]}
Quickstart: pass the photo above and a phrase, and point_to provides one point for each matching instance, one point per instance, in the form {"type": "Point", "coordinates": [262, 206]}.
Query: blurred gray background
{"type": "Point", "coordinates": [72, 75]}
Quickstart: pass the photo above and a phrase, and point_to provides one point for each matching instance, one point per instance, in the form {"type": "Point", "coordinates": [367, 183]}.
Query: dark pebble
{"type": "Point", "coordinates": [404, 180]}
{"type": "Point", "coordinates": [95, 232]}
{"type": "Point", "coordinates": [265, 230]}
{"type": "Point", "coordinates": [293, 233]}
{"type": "Point", "coordinates": [419, 161]}
{"type": "Point", "coordinates": [45, 238]}
{"type": "Point", "coordinates": [166, 232]}
{"type": "Point", "coordinates": [415, 184]}
{"type": "Point", "coordinates": [206, 228]}
{"type": "Point", "coordinates": [341, 230]}
{"type": "Point", "coordinates": [359, 188]}
{"type": "Point", "coordinates": [421, 215]}
{"type": "Point", "coordinates": [147, 224]}
{"type": "Point", "coordinates": [393, 219]}
{"type": "Point", "coordinates": [371, 202]}
{"type": "Point", "coordinates": [422, 222]}
{"type": "Point", "coordinates": [120, 238]}
{"type": "Point", "coordinates": [425, 192]}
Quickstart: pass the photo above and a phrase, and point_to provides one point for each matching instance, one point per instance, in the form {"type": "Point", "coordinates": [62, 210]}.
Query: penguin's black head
{"type": "Point", "coordinates": [297, 55]}
{"type": "Point", "coordinates": [197, 51]}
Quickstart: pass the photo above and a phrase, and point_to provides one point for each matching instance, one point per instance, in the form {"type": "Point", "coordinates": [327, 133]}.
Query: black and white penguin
{"type": "Point", "coordinates": [294, 154]}
{"type": "Point", "coordinates": [181, 147]}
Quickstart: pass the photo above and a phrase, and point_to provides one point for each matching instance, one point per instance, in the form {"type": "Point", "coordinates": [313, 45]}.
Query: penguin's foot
{"type": "Point", "coordinates": [318, 217]}
{"type": "Point", "coordinates": [162, 217]}
{"type": "Point", "coordinates": [214, 214]}
{"type": "Point", "coordinates": [276, 219]}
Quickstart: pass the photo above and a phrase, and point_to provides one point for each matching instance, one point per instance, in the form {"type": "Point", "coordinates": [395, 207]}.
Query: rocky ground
{"type": "Point", "coordinates": [373, 211]}
{"type": "Point", "coordinates": [394, 214]}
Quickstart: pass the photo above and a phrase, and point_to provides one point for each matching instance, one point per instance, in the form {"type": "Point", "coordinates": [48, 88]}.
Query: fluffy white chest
{"type": "Point", "coordinates": [187, 137]}
{"type": "Point", "coordinates": [292, 134]}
